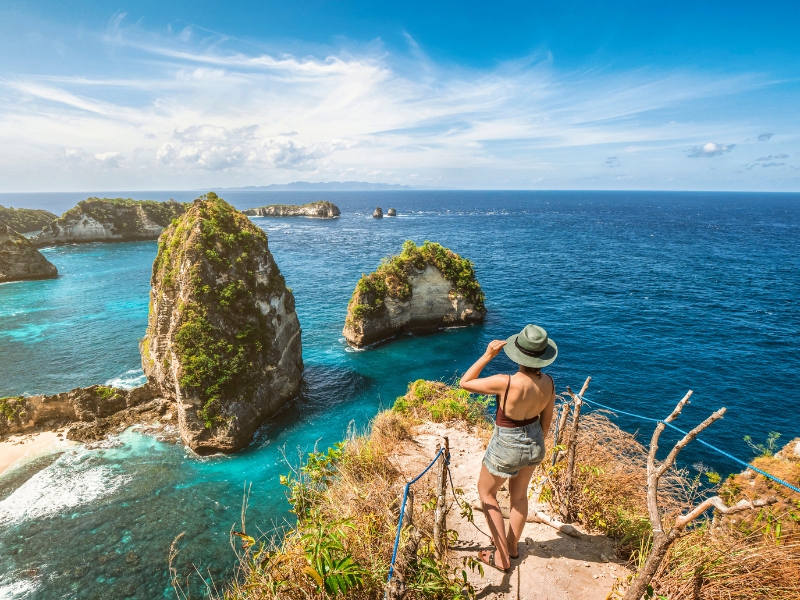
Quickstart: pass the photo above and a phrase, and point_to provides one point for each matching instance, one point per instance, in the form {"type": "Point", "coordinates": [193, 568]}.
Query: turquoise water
{"type": "Point", "coordinates": [651, 294]}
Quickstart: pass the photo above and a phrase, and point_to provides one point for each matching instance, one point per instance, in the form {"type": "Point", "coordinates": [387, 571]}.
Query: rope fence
{"type": "Point", "coordinates": [706, 444]}
{"type": "Point", "coordinates": [403, 508]}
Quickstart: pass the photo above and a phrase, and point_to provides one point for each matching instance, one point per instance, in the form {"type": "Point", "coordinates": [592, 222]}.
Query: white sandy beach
{"type": "Point", "coordinates": [23, 447]}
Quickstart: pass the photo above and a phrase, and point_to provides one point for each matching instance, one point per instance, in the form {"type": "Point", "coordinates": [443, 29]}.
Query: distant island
{"type": "Point", "coordinates": [321, 209]}
{"type": "Point", "coordinates": [329, 186]}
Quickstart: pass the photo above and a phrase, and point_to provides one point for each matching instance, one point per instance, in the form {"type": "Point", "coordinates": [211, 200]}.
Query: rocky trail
{"type": "Point", "coordinates": [551, 565]}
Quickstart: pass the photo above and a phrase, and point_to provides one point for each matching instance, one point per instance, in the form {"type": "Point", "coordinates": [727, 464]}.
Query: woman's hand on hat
{"type": "Point", "coordinates": [494, 347]}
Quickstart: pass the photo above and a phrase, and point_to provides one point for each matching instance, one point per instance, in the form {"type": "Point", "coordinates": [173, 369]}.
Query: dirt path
{"type": "Point", "coordinates": [551, 566]}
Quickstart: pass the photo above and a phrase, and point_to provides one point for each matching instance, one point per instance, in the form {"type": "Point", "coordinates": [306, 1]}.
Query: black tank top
{"type": "Point", "coordinates": [500, 418]}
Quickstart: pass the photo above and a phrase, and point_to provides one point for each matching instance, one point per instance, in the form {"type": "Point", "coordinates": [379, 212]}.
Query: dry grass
{"type": "Point", "coordinates": [712, 564]}
{"type": "Point", "coordinates": [752, 555]}
{"type": "Point", "coordinates": [358, 491]}
{"type": "Point", "coordinates": [348, 500]}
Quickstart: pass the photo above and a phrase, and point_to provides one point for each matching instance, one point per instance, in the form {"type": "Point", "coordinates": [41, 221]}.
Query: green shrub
{"type": "Point", "coordinates": [13, 408]}
{"type": "Point", "coordinates": [438, 402]}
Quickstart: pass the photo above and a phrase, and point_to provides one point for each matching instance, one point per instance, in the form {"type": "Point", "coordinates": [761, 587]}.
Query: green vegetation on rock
{"type": "Point", "coordinates": [221, 333]}
{"type": "Point", "coordinates": [391, 278]}
{"type": "Point", "coordinates": [440, 403]}
{"type": "Point", "coordinates": [108, 210]}
{"type": "Point", "coordinates": [25, 219]}
{"type": "Point", "coordinates": [13, 407]}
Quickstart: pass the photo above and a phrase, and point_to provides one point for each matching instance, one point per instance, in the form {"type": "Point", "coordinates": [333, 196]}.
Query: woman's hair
{"type": "Point", "coordinates": [531, 370]}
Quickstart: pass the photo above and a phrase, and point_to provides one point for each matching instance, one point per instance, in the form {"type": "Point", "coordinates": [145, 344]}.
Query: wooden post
{"type": "Point", "coordinates": [440, 516]}
{"type": "Point", "coordinates": [566, 509]}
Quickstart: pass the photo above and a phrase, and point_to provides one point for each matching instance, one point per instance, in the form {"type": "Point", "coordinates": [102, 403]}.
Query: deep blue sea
{"type": "Point", "coordinates": [652, 294]}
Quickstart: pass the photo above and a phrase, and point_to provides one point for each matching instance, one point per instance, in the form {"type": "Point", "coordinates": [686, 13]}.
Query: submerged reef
{"type": "Point", "coordinates": [110, 220]}
{"type": "Point", "coordinates": [321, 209]}
{"type": "Point", "coordinates": [223, 338]}
{"type": "Point", "coordinates": [422, 289]}
{"type": "Point", "coordinates": [19, 259]}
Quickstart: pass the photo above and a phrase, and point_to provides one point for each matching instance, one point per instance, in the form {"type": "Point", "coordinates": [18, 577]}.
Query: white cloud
{"type": "Point", "coordinates": [193, 109]}
{"type": "Point", "coordinates": [710, 149]}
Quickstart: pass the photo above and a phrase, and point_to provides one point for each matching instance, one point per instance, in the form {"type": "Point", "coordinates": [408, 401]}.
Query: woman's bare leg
{"type": "Point", "coordinates": [518, 493]}
{"type": "Point", "coordinates": [488, 486]}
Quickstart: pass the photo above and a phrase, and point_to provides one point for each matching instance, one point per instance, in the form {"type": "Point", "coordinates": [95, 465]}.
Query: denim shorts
{"type": "Point", "coordinates": [513, 448]}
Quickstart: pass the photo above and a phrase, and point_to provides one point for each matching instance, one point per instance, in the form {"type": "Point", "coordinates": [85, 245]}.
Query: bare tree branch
{"type": "Point", "coordinates": [670, 460]}
{"type": "Point", "coordinates": [717, 503]}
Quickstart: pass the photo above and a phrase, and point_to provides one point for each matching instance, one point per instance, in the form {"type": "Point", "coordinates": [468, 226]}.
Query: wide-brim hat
{"type": "Point", "coordinates": [531, 347]}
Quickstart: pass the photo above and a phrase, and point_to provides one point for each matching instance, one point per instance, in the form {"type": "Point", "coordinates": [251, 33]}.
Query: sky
{"type": "Point", "coordinates": [146, 95]}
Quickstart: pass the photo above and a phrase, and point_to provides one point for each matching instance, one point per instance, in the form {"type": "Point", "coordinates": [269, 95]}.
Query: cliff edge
{"type": "Point", "coordinates": [19, 259]}
{"type": "Point", "coordinates": [322, 209]}
{"type": "Point", "coordinates": [223, 338]}
{"type": "Point", "coordinates": [110, 220]}
{"type": "Point", "coordinates": [422, 289]}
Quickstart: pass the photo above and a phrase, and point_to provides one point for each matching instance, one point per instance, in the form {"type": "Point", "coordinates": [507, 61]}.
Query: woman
{"type": "Point", "coordinates": [524, 412]}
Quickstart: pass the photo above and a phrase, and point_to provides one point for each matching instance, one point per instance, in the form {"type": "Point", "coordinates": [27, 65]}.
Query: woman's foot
{"type": "Point", "coordinates": [488, 557]}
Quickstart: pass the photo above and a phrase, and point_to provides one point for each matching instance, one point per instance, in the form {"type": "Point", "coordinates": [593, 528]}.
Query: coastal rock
{"type": "Point", "coordinates": [19, 259]}
{"type": "Point", "coordinates": [391, 212]}
{"type": "Point", "coordinates": [322, 209]}
{"type": "Point", "coordinates": [422, 289]}
{"type": "Point", "coordinates": [110, 220]}
{"type": "Point", "coordinates": [18, 413]}
{"type": "Point", "coordinates": [223, 339]}
{"type": "Point", "coordinates": [25, 219]}
{"type": "Point", "coordinates": [378, 214]}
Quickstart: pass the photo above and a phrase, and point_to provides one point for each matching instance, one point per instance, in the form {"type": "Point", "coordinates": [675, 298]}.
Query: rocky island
{"type": "Point", "coordinates": [378, 212]}
{"type": "Point", "coordinates": [423, 288]}
{"type": "Point", "coordinates": [392, 212]}
{"type": "Point", "coordinates": [322, 209]}
{"type": "Point", "coordinates": [24, 220]}
{"type": "Point", "coordinates": [19, 259]}
{"type": "Point", "coordinates": [223, 338]}
{"type": "Point", "coordinates": [110, 220]}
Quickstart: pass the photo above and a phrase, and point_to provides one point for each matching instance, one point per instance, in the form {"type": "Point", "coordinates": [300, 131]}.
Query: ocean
{"type": "Point", "coordinates": [650, 293]}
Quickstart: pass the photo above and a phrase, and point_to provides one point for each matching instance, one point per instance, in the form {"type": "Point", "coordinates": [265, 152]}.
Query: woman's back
{"type": "Point", "coordinates": [527, 396]}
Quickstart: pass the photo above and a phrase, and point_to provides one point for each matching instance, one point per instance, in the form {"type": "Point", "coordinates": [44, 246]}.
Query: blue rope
{"type": "Point", "coordinates": [706, 444]}
{"type": "Point", "coordinates": [403, 508]}
{"type": "Point", "coordinates": [555, 437]}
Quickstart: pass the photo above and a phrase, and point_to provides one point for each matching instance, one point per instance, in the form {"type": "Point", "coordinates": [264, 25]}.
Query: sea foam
{"type": "Point", "coordinates": [130, 379]}
{"type": "Point", "coordinates": [70, 482]}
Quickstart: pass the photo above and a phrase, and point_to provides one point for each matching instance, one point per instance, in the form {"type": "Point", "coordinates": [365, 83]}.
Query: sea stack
{"type": "Point", "coordinates": [223, 337]}
{"type": "Point", "coordinates": [378, 213]}
{"type": "Point", "coordinates": [19, 259]}
{"type": "Point", "coordinates": [391, 212]}
{"type": "Point", "coordinates": [424, 288]}
{"type": "Point", "coordinates": [322, 209]}
{"type": "Point", "coordinates": [110, 220]}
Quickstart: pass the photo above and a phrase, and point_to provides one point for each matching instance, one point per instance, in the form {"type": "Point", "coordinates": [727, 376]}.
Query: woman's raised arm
{"type": "Point", "coordinates": [495, 384]}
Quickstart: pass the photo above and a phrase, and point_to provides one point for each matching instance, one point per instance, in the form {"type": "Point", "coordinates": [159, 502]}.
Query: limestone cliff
{"type": "Point", "coordinates": [223, 337]}
{"type": "Point", "coordinates": [19, 259]}
{"type": "Point", "coordinates": [25, 219]}
{"type": "Point", "coordinates": [322, 209]}
{"type": "Point", "coordinates": [88, 408]}
{"type": "Point", "coordinates": [110, 220]}
{"type": "Point", "coordinates": [422, 289]}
